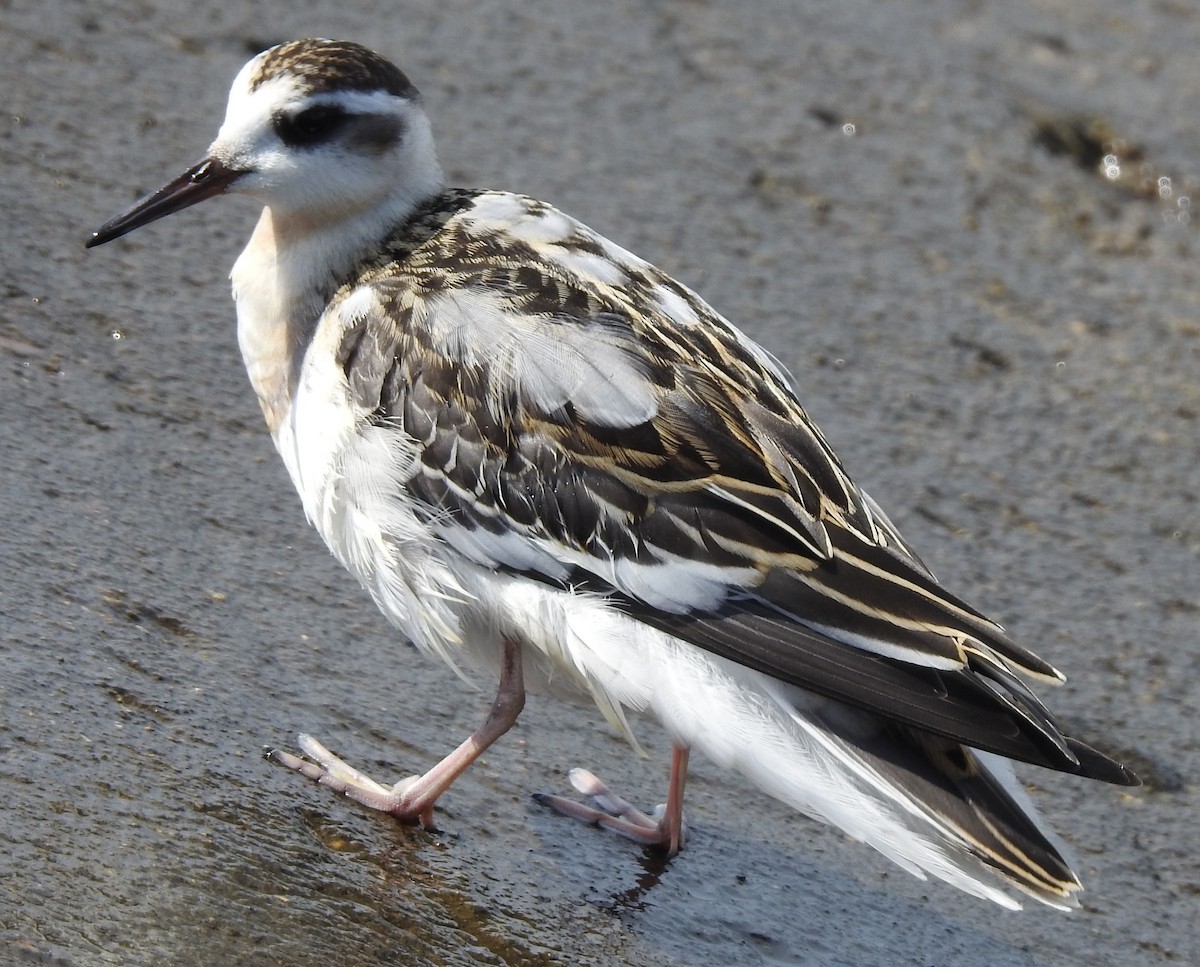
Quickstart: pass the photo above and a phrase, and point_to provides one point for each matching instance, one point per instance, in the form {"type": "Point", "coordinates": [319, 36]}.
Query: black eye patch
{"type": "Point", "coordinates": [312, 126]}
{"type": "Point", "coordinates": [375, 133]}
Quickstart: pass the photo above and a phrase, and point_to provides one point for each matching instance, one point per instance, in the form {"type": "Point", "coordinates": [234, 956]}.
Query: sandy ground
{"type": "Point", "coordinates": [1001, 341]}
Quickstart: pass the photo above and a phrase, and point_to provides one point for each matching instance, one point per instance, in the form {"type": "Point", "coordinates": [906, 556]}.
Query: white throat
{"type": "Point", "coordinates": [282, 282]}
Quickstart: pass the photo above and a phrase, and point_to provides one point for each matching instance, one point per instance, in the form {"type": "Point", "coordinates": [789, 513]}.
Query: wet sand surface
{"type": "Point", "coordinates": [1001, 341]}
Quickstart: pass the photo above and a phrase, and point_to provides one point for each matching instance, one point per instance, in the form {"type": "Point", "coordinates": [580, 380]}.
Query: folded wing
{"type": "Point", "coordinates": [586, 421]}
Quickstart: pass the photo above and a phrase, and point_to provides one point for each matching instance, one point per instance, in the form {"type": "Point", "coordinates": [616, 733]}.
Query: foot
{"type": "Point", "coordinates": [664, 830]}
{"type": "Point", "coordinates": [412, 799]}
{"type": "Point", "coordinates": [326, 768]}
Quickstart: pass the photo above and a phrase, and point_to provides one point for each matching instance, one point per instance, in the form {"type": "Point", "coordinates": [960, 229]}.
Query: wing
{"type": "Point", "coordinates": [584, 420]}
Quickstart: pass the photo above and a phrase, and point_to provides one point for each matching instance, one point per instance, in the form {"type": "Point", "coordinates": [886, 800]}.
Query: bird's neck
{"type": "Point", "coordinates": [285, 277]}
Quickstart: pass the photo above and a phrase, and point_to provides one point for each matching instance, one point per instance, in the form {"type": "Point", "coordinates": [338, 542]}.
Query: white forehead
{"type": "Point", "coordinates": [248, 101]}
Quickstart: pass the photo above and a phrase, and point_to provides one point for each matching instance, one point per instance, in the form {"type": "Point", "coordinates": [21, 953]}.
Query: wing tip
{"type": "Point", "coordinates": [1094, 764]}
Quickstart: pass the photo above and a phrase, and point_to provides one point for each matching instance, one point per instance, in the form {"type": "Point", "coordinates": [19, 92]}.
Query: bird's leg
{"type": "Point", "coordinates": [412, 799]}
{"type": "Point", "coordinates": [665, 830]}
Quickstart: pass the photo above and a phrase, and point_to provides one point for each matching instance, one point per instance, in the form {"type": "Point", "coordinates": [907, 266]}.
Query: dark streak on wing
{"type": "Point", "coordinates": [728, 473]}
{"type": "Point", "coordinates": [970, 705]}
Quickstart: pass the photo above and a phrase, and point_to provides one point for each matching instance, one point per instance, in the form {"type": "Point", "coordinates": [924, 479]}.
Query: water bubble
{"type": "Point", "coordinates": [1060, 365]}
{"type": "Point", "coordinates": [849, 129]}
{"type": "Point", "coordinates": [116, 334]}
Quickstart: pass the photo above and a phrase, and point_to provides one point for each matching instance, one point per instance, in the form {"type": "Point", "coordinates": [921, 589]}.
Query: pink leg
{"type": "Point", "coordinates": [667, 831]}
{"type": "Point", "coordinates": [412, 799]}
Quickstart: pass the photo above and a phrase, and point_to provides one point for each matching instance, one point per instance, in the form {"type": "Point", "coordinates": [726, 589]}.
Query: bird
{"type": "Point", "coordinates": [549, 462]}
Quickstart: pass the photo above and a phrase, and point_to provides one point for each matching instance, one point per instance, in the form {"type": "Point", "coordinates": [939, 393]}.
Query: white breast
{"type": "Point", "coordinates": [351, 477]}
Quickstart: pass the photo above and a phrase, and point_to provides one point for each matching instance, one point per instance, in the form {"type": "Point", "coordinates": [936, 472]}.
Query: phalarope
{"type": "Point", "coordinates": [544, 457]}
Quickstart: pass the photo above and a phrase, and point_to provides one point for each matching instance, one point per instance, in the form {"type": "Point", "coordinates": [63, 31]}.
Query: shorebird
{"type": "Point", "coordinates": [546, 459]}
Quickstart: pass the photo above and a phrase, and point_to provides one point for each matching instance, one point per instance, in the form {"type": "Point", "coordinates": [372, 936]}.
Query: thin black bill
{"type": "Point", "coordinates": [203, 180]}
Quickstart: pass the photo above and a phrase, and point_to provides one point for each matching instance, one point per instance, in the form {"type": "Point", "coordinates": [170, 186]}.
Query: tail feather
{"type": "Point", "coordinates": [934, 805]}
{"type": "Point", "coordinates": [976, 799]}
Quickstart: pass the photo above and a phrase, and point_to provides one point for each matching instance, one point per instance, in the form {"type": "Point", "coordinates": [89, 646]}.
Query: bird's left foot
{"type": "Point", "coordinates": [664, 830]}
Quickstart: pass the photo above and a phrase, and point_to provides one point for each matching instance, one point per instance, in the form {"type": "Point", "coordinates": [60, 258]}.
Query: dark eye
{"type": "Point", "coordinates": [311, 126]}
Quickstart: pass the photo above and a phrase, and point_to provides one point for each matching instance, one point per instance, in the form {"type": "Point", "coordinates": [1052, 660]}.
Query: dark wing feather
{"type": "Point", "coordinates": [679, 476]}
{"type": "Point", "coordinates": [982, 705]}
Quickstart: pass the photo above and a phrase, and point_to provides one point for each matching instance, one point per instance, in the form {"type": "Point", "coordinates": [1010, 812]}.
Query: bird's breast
{"type": "Point", "coordinates": [352, 476]}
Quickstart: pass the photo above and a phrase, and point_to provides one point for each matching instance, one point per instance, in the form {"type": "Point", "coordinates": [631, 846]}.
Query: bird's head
{"type": "Point", "coordinates": [316, 130]}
